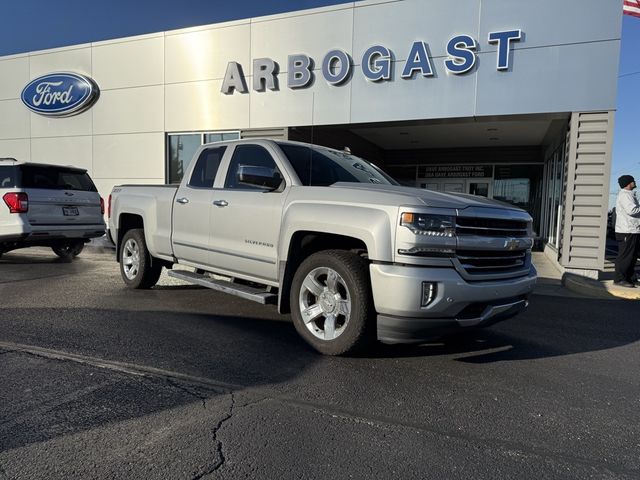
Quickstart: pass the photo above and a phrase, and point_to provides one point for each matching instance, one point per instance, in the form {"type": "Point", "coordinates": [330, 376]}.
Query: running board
{"type": "Point", "coordinates": [243, 291]}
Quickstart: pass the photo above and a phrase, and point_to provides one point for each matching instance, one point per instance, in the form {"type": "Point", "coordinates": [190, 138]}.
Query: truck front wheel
{"type": "Point", "coordinates": [136, 265]}
{"type": "Point", "coordinates": [331, 302]}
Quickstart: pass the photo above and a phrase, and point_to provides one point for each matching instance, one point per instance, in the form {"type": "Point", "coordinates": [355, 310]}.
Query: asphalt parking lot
{"type": "Point", "coordinates": [182, 382]}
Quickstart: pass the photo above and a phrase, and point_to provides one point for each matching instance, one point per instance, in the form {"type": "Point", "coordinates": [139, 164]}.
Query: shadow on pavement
{"type": "Point", "coordinates": [44, 398]}
{"type": "Point", "coordinates": [552, 326]}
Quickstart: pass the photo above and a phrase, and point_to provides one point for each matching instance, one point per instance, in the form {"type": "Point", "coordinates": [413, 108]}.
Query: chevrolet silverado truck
{"type": "Point", "coordinates": [329, 238]}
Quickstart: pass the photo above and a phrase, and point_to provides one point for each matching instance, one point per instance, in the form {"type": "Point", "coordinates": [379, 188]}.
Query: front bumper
{"type": "Point", "coordinates": [458, 304]}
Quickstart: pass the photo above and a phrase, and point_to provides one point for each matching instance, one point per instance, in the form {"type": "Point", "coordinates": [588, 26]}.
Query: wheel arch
{"type": "Point", "coordinates": [126, 222]}
{"type": "Point", "coordinates": [305, 243]}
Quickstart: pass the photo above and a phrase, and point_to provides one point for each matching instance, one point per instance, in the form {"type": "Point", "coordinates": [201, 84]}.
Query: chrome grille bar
{"type": "Point", "coordinates": [491, 227]}
{"type": "Point", "coordinates": [470, 268]}
{"type": "Point", "coordinates": [483, 261]}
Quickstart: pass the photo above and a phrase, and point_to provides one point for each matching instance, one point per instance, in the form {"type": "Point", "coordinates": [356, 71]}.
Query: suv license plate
{"type": "Point", "coordinates": [70, 211]}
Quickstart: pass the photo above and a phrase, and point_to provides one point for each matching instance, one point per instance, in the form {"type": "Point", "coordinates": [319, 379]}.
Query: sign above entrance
{"type": "Point", "coordinates": [455, 171]}
{"type": "Point", "coordinates": [376, 64]}
{"type": "Point", "coordinates": [60, 94]}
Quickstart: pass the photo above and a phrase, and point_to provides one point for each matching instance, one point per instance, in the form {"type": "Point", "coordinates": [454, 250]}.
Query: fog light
{"type": "Point", "coordinates": [429, 292]}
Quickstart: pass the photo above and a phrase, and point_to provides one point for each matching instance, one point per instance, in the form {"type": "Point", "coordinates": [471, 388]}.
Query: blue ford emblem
{"type": "Point", "coordinates": [60, 94]}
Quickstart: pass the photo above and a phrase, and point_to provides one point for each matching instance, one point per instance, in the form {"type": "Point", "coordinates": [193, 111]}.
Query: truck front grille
{"type": "Point", "coordinates": [487, 262]}
{"type": "Point", "coordinates": [491, 227]}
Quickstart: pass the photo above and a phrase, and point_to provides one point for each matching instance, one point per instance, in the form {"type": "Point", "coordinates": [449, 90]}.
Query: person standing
{"type": "Point", "coordinates": [627, 232]}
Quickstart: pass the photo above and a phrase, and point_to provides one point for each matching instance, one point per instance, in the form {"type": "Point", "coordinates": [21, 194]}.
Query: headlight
{"type": "Point", "coordinates": [428, 224]}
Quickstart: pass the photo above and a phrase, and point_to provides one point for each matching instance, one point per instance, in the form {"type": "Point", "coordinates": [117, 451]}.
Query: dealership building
{"type": "Point", "coordinates": [509, 99]}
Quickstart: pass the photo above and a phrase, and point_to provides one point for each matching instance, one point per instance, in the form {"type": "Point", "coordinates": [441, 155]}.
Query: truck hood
{"type": "Point", "coordinates": [429, 198]}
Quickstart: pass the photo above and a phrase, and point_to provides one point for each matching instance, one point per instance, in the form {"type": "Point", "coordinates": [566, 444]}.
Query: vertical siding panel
{"type": "Point", "coordinates": [589, 165]}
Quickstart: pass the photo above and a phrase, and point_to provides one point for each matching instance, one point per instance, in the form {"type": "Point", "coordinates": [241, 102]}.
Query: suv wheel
{"type": "Point", "coordinates": [331, 302]}
{"type": "Point", "coordinates": [139, 270]}
{"type": "Point", "coordinates": [69, 250]}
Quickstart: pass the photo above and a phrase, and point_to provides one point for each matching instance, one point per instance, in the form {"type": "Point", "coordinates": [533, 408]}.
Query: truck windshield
{"type": "Point", "coordinates": [320, 167]}
{"type": "Point", "coordinates": [56, 178]}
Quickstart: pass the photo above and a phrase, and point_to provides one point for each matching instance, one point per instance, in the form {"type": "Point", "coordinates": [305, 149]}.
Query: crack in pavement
{"type": "Point", "coordinates": [333, 411]}
{"type": "Point", "coordinates": [192, 393]}
{"type": "Point", "coordinates": [218, 443]}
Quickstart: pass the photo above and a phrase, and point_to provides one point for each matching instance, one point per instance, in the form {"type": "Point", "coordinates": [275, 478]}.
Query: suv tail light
{"type": "Point", "coordinates": [18, 202]}
{"type": "Point", "coordinates": [109, 207]}
{"type": "Point", "coordinates": [102, 205]}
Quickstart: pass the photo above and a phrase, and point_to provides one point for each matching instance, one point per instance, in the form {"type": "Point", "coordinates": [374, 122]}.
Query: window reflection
{"type": "Point", "coordinates": [521, 186]}
{"type": "Point", "coordinates": [182, 147]}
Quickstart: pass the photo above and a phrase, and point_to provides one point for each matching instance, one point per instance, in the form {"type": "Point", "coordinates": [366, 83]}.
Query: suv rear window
{"type": "Point", "coordinates": [55, 178]}
{"type": "Point", "coordinates": [7, 177]}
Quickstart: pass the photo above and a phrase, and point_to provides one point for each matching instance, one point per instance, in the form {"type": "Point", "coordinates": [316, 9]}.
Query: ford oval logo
{"type": "Point", "coordinates": [60, 94]}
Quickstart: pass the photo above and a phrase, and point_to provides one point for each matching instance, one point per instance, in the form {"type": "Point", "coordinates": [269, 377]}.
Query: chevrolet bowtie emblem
{"type": "Point", "coordinates": [511, 243]}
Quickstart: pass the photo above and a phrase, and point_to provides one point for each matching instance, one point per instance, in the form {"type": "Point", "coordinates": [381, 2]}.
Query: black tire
{"type": "Point", "coordinates": [148, 269]}
{"type": "Point", "coordinates": [350, 333]}
{"type": "Point", "coordinates": [69, 250]}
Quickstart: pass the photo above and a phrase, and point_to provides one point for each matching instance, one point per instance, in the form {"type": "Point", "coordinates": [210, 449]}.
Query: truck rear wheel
{"type": "Point", "coordinates": [69, 250]}
{"type": "Point", "coordinates": [137, 267]}
{"type": "Point", "coordinates": [331, 302]}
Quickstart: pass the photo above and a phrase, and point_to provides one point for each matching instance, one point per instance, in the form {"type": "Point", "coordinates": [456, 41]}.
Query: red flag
{"type": "Point", "coordinates": [631, 7]}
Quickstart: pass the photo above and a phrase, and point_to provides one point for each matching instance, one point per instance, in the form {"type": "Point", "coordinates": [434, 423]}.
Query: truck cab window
{"type": "Point", "coordinates": [249, 156]}
{"type": "Point", "coordinates": [204, 173]}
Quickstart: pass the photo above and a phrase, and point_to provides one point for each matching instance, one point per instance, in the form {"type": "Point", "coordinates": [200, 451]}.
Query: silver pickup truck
{"type": "Point", "coordinates": [330, 238]}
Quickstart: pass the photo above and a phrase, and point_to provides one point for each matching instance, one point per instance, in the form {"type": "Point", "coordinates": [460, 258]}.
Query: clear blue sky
{"type": "Point", "coordinates": [626, 149]}
{"type": "Point", "coordinates": [38, 24]}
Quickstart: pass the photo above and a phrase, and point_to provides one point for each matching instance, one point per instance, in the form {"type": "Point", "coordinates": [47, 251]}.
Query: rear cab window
{"type": "Point", "coordinates": [206, 168]}
{"type": "Point", "coordinates": [55, 178]}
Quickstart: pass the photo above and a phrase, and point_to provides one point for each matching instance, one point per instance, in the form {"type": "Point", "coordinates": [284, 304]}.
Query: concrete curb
{"type": "Point", "coordinates": [599, 288]}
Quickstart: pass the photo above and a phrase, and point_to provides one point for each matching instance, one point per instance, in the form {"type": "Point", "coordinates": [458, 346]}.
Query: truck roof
{"type": "Point", "coordinates": [274, 141]}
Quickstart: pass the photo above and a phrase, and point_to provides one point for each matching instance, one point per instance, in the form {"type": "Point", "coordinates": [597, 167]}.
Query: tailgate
{"type": "Point", "coordinates": [56, 207]}
{"type": "Point", "coordinates": [60, 196]}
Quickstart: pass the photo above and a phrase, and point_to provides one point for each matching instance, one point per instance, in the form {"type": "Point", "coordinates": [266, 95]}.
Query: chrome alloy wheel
{"type": "Point", "coordinates": [325, 303]}
{"type": "Point", "coordinates": [131, 259]}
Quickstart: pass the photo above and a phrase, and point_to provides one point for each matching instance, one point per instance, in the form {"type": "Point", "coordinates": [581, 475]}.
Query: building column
{"type": "Point", "coordinates": [586, 200]}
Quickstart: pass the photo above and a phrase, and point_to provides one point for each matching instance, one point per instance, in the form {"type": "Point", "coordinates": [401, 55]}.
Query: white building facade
{"type": "Point", "coordinates": [510, 99]}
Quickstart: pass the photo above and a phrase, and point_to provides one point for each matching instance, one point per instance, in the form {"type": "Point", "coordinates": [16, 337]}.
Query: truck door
{"type": "Point", "coordinates": [245, 219]}
{"type": "Point", "coordinates": [191, 209]}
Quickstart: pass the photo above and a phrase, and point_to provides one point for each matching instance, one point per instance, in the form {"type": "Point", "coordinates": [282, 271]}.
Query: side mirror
{"type": "Point", "coordinates": [262, 177]}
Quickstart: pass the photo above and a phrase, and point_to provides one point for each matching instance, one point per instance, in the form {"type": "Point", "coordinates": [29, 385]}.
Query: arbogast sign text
{"type": "Point", "coordinates": [376, 65]}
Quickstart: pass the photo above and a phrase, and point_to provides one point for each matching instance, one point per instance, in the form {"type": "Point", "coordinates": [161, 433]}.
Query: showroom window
{"type": "Point", "coordinates": [520, 185]}
{"type": "Point", "coordinates": [182, 146]}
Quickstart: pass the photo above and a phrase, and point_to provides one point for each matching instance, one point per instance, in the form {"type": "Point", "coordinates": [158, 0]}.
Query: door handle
{"type": "Point", "coordinates": [220, 203]}
{"type": "Point", "coordinates": [182, 200]}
